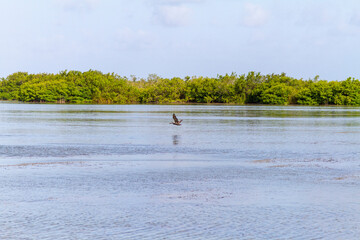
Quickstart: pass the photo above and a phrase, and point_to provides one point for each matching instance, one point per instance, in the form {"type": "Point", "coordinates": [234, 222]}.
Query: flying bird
{"type": "Point", "coordinates": [176, 121]}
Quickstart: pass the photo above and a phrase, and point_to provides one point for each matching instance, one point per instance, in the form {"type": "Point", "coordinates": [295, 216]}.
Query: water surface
{"type": "Point", "coordinates": [229, 172]}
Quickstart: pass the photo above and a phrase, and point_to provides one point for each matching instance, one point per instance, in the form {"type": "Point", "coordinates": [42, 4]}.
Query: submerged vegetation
{"type": "Point", "coordinates": [97, 87]}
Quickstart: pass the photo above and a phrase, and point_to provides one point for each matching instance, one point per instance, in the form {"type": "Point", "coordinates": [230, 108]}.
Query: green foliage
{"type": "Point", "coordinates": [96, 87]}
{"type": "Point", "coordinates": [10, 87]}
{"type": "Point", "coordinates": [159, 90]}
{"type": "Point", "coordinates": [202, 90]}
{"type": "Point", "coordinates": [276, 95]}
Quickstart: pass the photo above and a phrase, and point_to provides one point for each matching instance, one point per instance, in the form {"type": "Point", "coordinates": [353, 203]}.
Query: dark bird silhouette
{"type": "Point", "coordinates": [176, 121]}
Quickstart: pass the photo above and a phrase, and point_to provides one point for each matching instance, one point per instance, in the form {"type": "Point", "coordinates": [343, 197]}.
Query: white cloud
{"type": "Point", "coordinates": [135, 39]}
{"type": "Point", "coordinates": [173, 15]}
{"type": "Point", "coordinates": [78, 5]}
{"type": "Point", "coordinates": [177, 1]}
{"type": "Point", "coordinates": [316, 15]}
{"type": "Point", "coordinates": [255, 15]}
{"type": "Point", "coordinates": [355, 19]}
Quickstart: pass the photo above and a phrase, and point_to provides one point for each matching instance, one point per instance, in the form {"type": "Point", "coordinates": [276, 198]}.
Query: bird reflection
{"type": "Point", "coordinates": [176, 139]}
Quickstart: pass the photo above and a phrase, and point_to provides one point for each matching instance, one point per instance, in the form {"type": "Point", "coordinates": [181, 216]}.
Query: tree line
{"type": "Point", "coordinates": [96, 87]}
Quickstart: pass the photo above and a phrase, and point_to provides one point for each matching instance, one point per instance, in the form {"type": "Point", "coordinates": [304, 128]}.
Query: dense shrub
{"type": "Point", "coordinates": [97, 87]}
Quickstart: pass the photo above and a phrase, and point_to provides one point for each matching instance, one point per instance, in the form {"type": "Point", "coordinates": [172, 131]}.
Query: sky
{"type": "Point", "coordinates": [178, 38]}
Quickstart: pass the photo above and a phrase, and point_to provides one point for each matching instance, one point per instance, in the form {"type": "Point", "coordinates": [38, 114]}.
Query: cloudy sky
{"type": "Point", "coordinates": [302, 38]}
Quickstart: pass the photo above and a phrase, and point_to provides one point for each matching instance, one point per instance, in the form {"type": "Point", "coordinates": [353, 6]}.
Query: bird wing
{"type": "Point", "coordinates": [175, 118]}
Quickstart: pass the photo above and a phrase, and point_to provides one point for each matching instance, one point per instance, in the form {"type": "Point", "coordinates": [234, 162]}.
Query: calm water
{"type": "Point", "coordinates": [229, 172]}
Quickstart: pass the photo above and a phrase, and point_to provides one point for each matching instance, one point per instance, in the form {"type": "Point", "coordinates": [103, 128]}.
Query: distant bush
{"type": "Point", "coordinates": [96, 87]}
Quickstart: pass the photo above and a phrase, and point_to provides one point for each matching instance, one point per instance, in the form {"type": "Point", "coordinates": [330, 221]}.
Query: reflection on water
{"type": "Point", "coordinates": [176, 139]}
{"type": "Point", "coordinates": [229, 172]}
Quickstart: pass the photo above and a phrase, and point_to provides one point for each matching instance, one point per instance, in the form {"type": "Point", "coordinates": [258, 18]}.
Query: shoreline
{"type": "Point", "coordinates": [179, 104]}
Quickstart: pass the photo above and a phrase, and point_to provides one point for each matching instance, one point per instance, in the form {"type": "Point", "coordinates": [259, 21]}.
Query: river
{"type": "Point", "coordinates": [228, 172]}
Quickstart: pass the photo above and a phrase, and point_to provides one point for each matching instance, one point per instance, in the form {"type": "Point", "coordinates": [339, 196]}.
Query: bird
{"type": "Point", "coordinates": [176, 121]}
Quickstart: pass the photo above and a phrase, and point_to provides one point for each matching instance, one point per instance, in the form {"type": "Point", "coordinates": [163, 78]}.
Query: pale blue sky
{"type": "Point", "coordinates": [171, 38]}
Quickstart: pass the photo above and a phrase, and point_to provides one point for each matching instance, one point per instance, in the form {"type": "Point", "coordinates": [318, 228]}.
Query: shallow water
{"type": "Point", "coordinates": [229, 172]}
